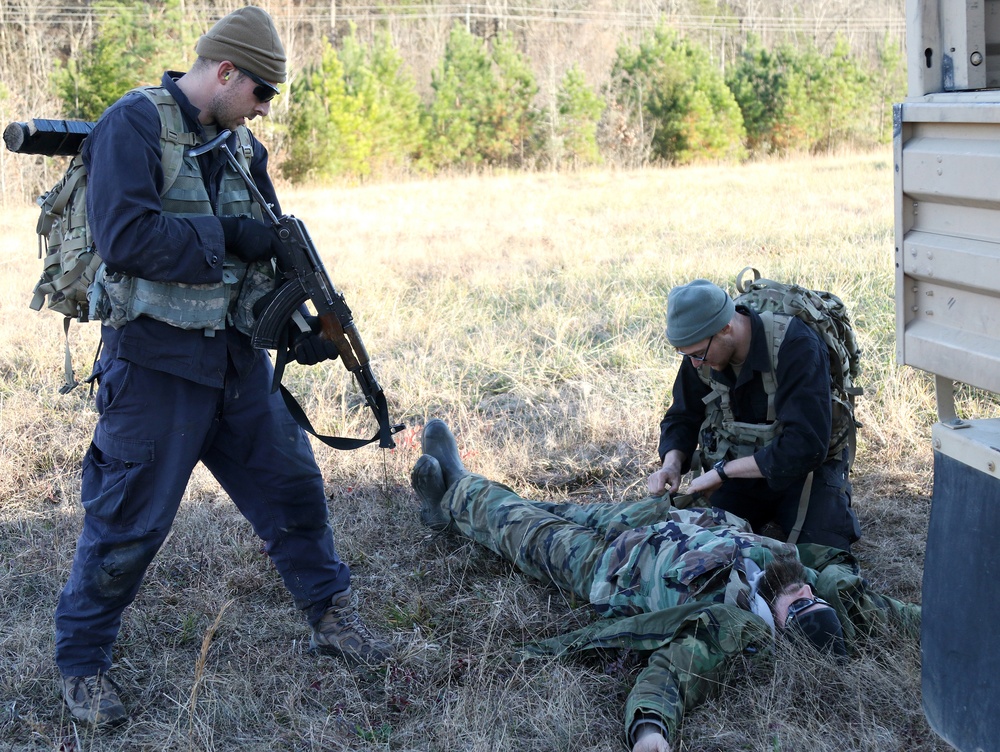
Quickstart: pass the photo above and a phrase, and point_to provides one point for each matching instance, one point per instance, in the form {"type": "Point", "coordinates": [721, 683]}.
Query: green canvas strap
{"type": "Point", "coordinates": [800, 517]}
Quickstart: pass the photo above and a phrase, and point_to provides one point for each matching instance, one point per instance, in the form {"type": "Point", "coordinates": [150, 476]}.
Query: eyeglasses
{"type": "Point", "coordinates": [264, 91]}
{"type": "Point", "coordinates": [704, 353]}
{"type": "Point", "coordinates": [797, 607]}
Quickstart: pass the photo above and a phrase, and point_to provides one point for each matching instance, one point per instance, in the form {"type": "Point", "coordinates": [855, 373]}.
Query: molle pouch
{"type": "Point", "coordinates": [257, 283]}
{"type": "Point", "coordinates": [184, 306]}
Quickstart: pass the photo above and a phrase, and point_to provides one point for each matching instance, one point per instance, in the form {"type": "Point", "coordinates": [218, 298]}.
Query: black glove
{"type": "Point", "coordinates": [308, 348]}
{"type": "Point", "coordinates": [248, 239]}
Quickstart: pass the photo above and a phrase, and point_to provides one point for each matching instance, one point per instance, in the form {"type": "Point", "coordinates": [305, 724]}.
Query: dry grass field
{"type": "Point", "coordinates": [527, 311]}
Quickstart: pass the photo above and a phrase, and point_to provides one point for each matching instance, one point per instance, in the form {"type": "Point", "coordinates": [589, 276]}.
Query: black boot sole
{"type": "Point", "coordinates": [428, 481]}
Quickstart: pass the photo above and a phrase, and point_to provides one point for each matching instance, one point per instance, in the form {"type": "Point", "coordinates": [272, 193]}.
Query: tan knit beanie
{"type": "Point", "coordinates": [248, 39]}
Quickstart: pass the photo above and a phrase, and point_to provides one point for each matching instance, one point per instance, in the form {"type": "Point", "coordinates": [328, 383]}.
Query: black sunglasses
{"type": "Point", "coordinates": [704, 353]}
{"type": "Point", "coordinates": [264, 91]}
{"type": "Point", "coordinates": [797, 607]}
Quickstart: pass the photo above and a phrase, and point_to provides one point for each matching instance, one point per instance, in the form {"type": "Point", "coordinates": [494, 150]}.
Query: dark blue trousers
{"type": "Point", "coordinates": [830, 520]}
{"type": "Point", "coordinates": [152, 430]}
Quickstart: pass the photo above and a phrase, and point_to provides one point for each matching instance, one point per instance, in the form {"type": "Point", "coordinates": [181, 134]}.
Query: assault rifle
{"type": "Point", "coordinates": [305, 279]}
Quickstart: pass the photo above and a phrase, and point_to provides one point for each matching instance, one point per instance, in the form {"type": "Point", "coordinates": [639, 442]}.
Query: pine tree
{"type": "Point", "coordinates": [579, 111]}
{"type": "Point", "coordinates": [483, 110]}
{"type": "Point", "coordinates": [327, 137]}
{"type": "Point", "coordinates": [681, 99]}
{"type": "Point", "coordinates": [459, 111]}
{"type": "Point", "coordinates": [134, 44]}
{"type": "Point", "coordinates": [355, 114]}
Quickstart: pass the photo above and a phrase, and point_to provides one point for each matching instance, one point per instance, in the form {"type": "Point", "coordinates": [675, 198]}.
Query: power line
{"type": "Point", "coordinates": [54, 15]}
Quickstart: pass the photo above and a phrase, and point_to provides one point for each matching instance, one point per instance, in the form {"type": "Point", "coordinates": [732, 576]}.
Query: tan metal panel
{"type": "Point", "coordinates": [991, 22]}
{"type": "Point", "coordinates": [947, 44]}
{"type": "Point", "coordinates": [963, 39]}
{"type": "Point", "coordinates": [947, 254]}
{"type": "Point", "coordinates": [923, 32]}
{"type": "Point", "coordinates": [942, 218]}
{"type": "Point", "coordinates": [954, 261]}
{"type": "Point", "coordinates": [954, 353]}
{"type": "Point", "coordinates": [977, 445]}
{"type": "Point", "coordinates": [964, 170]}
{"type": "Point", "coordinates": [955, 115]}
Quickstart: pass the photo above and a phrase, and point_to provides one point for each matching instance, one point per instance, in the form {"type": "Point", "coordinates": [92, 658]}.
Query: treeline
{"type": "Point", "coordinates": [354, 108]}
{"type": "Point", "coordinates": [356, 112]}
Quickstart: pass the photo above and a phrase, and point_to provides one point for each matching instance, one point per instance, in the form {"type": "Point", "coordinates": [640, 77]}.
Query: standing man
{"type": "Point", "coordinates": [179, 381]}
{"type": "Point", "coordinates": [766, 458]}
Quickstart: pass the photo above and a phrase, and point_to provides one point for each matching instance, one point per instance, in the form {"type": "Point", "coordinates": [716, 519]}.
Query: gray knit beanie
{"type": "Point", "coordinates": [248, 39]}
{"type": "Point", "coordinates": [697, 311]}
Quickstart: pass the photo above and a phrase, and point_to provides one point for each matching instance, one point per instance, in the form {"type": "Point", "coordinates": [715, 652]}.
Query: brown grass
{"type": "Point", "coordinates": [527, 311]}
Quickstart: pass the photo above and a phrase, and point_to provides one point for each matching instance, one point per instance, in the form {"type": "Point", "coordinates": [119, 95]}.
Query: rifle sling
{"type": "Point", "coordinates": [337, 442]}
{"type": "Point", "coordinates": [381, 408]}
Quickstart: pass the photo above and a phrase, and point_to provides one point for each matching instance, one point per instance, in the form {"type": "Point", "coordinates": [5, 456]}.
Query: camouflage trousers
{"type": "Point", "coordinates": [561, 544]}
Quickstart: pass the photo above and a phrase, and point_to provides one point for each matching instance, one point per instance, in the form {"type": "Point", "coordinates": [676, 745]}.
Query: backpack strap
{"type": "Point", "coordinates": [800, 517]}
{"type": "Point", "coordinates": [244, 155]}
{"type": "Point", "coordinates": [741, 285]}
{"type": "Point", "coordinates": [775, 329]}
{"type": "Point", "coordinates": [84, 267]}
{"type": "Point", "coordinates": [244, 147]}
{"type": "Point", "coordinates": [71, 383]}
{"type": "Point", "coordinates": [54, 205]}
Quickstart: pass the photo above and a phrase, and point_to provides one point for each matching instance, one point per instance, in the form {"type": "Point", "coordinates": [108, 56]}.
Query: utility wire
{"type": "Point", "coordinates": [49, 15]}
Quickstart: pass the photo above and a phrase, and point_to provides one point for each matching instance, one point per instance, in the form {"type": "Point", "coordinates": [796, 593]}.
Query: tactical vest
{"type": "Point", "coordinates": [722, 436]}
{"type": "Point", "coordinates": [210, 307]}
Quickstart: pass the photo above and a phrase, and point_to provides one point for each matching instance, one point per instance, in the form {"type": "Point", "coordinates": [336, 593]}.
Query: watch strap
{"type": "Point", "coordinates": [720, 468]}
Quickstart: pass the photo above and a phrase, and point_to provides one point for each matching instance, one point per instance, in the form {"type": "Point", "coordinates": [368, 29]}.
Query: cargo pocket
{"type": "Point", "coordinates": [115, 465]}
{"type": "Point", "coordinates": [112, 471]}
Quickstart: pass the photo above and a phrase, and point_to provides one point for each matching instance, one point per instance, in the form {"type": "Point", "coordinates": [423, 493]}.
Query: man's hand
{"type": "Point", "coordinates": [248, 239]}
{"type": "Point", "coordinates": [705, 483]}
{"type": "Point", "coordinates": [308, 348]}
{"type": "Point", "coordinates": [651, 741]}
{"type": "Point", "coordinates": [742, 467]}
{"type": "Point", "coordinates": [661, 481]}
{"type": "Point", "coordinates": [668, 477]}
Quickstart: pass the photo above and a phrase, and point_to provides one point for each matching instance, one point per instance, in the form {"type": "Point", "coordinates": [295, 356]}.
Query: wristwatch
{"type": "Point", "coordinates": [720, 468]}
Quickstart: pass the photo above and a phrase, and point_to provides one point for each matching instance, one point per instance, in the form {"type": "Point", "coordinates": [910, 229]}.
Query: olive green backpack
{"type": "Point", "coordinates": [827, 316]}
{"type": "Point", "coordinates": [70, 259]}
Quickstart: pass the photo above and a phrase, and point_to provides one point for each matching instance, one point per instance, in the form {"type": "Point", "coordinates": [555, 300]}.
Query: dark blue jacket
{"type": "Point", "coordinates": [803, 403]}
{"type": "Point", "coordinates": [125, 176]}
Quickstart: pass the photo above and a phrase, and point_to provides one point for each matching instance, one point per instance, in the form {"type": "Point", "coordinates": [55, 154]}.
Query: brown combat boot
{"type": "Point", "coordinates": [94, 700]}
{"type": "Point", "coordinates": [341, 632]}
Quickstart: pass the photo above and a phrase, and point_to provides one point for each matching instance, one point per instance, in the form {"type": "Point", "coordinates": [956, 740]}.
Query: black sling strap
{"type": "Point", "coordinates": [380, 409]}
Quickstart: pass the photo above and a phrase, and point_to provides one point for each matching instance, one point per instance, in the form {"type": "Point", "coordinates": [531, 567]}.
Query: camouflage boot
{"type": "Point", "coordinates": [341, 632]}
{"type": "Point", "coordinates": [93, 700]}
{"type": "Point", "coordinates": [428, 482]}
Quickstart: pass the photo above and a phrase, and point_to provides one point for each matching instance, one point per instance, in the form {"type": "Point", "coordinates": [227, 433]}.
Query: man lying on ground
{"type": "Point", "coordinates": [690, 589]}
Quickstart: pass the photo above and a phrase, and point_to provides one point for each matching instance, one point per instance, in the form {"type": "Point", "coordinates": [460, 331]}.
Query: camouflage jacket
{"type": "Point", "coordinates": [689, 646]}
{"type": "Point", "coordinates": [687, 554]}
